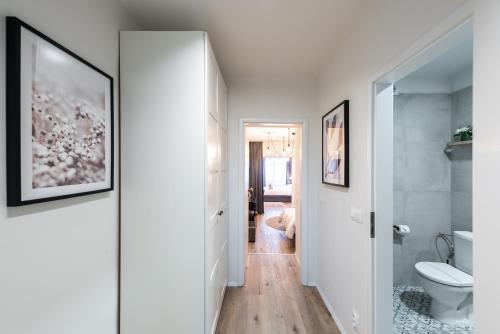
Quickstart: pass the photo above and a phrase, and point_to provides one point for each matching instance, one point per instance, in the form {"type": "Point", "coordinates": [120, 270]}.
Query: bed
{"type": "Point", "coordinates": [278, 194]}
{"type": "Point", "coordinates": [287, 217]}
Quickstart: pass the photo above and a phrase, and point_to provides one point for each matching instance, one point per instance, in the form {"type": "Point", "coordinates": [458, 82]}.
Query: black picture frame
{"type": "Point", "coordinates": [14, 113]}
{"type": "Point", "coordinates": [343, 180]}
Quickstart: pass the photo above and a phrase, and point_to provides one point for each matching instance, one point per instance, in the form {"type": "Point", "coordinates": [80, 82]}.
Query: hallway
{"type": "Point", "coordinates": [274, 301]}
{"type": "Point", "coordinates": [249, 167]}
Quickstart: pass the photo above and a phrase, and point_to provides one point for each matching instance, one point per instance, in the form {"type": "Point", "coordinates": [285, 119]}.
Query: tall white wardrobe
{"type": "Point", "coordinates": [173, 183]}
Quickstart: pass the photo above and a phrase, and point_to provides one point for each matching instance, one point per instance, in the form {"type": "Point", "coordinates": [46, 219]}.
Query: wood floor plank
{"type": "Point", "coordinates": [273, 301]}
{"type": "Point", "coordinates": [268, 239]}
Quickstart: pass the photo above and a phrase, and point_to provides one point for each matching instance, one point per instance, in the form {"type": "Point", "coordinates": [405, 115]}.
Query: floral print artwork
{"type": "Point", "coordinates": [68, 122]}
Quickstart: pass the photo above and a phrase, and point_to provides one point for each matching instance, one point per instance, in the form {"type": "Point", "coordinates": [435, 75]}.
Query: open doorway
{"type": "Point", "coordinates": [272, 181]}
{"type": "Point", "coordinates": [422, 191]}
{"type": "Point", "coordinates": [271, 295]}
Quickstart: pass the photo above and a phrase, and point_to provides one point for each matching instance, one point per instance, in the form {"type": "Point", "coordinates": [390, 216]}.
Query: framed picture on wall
{"type": "Point", "coordinates": [335, 146]}
{"type": "Point", "coordinates": [59, 120]}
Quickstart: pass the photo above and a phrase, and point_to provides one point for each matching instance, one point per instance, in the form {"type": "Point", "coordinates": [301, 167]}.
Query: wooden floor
{"type": "Point", "coordinates": [268, 239]}
{"type": "Point", "coordinates": [273, 301]}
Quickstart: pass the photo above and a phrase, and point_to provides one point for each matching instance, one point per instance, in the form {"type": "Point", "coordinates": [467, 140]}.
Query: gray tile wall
{"type": "Point", "coordinates": [422, 178]}
{"type": "Point", "coordinates": [432, 190]}
{"type": "Point", "coordinates": [461, 164]}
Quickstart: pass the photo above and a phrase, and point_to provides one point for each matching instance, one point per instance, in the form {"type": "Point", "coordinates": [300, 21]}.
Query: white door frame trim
{"type": "Point", "coordinates": [304, 221]}
{"type": "Point", "coordinates": [418, 54]}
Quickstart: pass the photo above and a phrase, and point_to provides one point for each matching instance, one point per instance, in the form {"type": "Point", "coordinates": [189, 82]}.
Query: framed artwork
{"type": "Point", "coordinates": [335, 147]}
{"type": "Point", "coordinates": [59, 120]}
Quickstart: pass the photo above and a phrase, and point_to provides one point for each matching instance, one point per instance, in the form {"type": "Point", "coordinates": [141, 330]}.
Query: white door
{"type": "Point", "coordinates": [212, 193]}
{"type": "Point", "coordinates": [383, 195]}
{"type": "Point", "coordinates": [222, 224]}
{"type": "Point", "coordinates": [216, 228]}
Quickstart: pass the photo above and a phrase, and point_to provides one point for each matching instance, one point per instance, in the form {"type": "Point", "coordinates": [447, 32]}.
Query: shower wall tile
{"type": "Point", "coordinates": [425, 167]}
{"type": "Point", "coordinates": [399, 204]}
{"type": "Point", "coordinates": [422, 117]}
{"type": "Point", "coordinates": [428, 203]}
{"type": "Point", "coordinates": [399, 170]}
{"type": "Point", "coordinates": [432, 190]}
{"type": "Point", "coordinates": [461, 164]}
{"type": "Point", "coordinates": [461, 207]}
{"type": "Point", "coordinates": [422, 179]}
{"type": "Point", "coordinates": [462, 108]}
{"type": "Point", "coordinates": [461, 175]}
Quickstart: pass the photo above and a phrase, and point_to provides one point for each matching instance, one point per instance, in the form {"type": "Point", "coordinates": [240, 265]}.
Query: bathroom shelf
{"type": "Point", "coordinates": [459, 143]}
{"type": "Point", "coordinates": [456, 144]}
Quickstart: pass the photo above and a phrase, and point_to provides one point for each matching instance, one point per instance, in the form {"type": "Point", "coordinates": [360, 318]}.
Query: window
{"type": "Point", "coordinates": [277, 171]}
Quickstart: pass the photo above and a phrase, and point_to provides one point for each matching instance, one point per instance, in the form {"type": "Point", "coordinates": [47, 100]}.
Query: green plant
{"type": "Point", "coordinates": [464, 133]}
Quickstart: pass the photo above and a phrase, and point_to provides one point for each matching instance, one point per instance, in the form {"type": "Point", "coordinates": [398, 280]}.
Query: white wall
{"type": "Point", "coordinates": [486, 164]}
{"type": "Point", "coordinates": [297, 190]}
{"type": "Point", "coordinates": [261, 100]}
{"type": "Point", "coordinates": [59, 260]}
{"type": "Point", "coordinates": [384, 31]}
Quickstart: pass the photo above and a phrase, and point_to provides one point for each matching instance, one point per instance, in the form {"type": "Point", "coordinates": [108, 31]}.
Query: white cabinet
{"type": "Point", "coordinates": [173, 183]}
{"type": "Point", "coordinates": [216, 227]}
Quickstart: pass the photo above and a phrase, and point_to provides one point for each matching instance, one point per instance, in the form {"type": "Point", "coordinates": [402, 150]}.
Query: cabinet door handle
{"type": "Point", "coordinates": [220, 213]}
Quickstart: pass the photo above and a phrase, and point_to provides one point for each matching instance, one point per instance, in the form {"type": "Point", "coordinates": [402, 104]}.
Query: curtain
{"type": "Point", "coordinates": [289, 171]}
{"type": "Point", "coordinates": [256, 174]}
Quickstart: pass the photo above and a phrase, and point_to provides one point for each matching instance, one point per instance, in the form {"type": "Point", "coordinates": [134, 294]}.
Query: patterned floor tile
{"type": "Point", "coordinates": [411, 314]}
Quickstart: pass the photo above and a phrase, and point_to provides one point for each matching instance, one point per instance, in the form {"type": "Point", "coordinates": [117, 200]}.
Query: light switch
{"type": "Point", "coordinates": [357, 215]}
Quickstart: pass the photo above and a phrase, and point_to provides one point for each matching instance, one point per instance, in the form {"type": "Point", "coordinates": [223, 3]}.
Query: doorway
{"type": "Point", "coordinates": [272, 179]}
{"type": "Point", "coordinates": [422, 190]}
{"type": "Point", "coordinates": [281, 223]}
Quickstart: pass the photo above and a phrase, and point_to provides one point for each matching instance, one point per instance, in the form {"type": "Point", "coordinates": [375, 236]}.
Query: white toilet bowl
{"type": "Point", "coordinates": [451, 287]}
{"type": "Point", "coordinates": [451, 292]}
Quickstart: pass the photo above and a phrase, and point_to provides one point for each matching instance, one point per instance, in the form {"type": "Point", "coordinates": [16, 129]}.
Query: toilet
{"type": "Point", "coordinates": [451, 287]}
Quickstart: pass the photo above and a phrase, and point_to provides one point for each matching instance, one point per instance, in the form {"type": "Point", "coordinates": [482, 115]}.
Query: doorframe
{"type": "Point", "coordinates": [304, 223]}
{"type": "Point", "coordinates": [435, 42]}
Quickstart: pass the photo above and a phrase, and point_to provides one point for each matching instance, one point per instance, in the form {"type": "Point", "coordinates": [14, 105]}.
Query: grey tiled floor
{"type": "Point", "coordinates": [411, 314]}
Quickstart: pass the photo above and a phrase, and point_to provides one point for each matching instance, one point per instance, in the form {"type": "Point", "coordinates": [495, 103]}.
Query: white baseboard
{"type": "Point", "coordinates": [330, 309]}
{"type": "Point", "coordinates": [233, 284]}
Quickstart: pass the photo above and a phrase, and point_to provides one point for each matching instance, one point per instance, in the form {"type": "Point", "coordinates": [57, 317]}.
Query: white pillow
{"type": "Point", "coordinates": [288, 216]}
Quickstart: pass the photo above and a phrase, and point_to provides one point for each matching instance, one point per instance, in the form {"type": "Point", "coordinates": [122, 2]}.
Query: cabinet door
{"type": "Point", "coordinates": [211, 84]}
{"type": "Point", "coordinates": [212, 249]}
{"type": "Point", "coordinates": [216, 227]}
{"type": "Point", "coordinates": [163, 190]}
{"type": "Point", "coordinates": [222, 225]}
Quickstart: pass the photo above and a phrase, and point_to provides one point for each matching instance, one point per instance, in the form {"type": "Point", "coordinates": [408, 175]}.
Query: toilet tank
{"type": "Point", "coordinates": [463, 250]}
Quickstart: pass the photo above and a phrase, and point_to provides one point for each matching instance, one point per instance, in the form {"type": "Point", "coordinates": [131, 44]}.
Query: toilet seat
{"type": "Point", "coordinates": [444, 273]}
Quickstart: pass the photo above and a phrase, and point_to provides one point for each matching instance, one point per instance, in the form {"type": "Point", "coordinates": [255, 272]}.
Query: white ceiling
{"type": "Point", "coordinates": [278, 39]}
{"type": "Point", "coordinates": [259, 133]}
